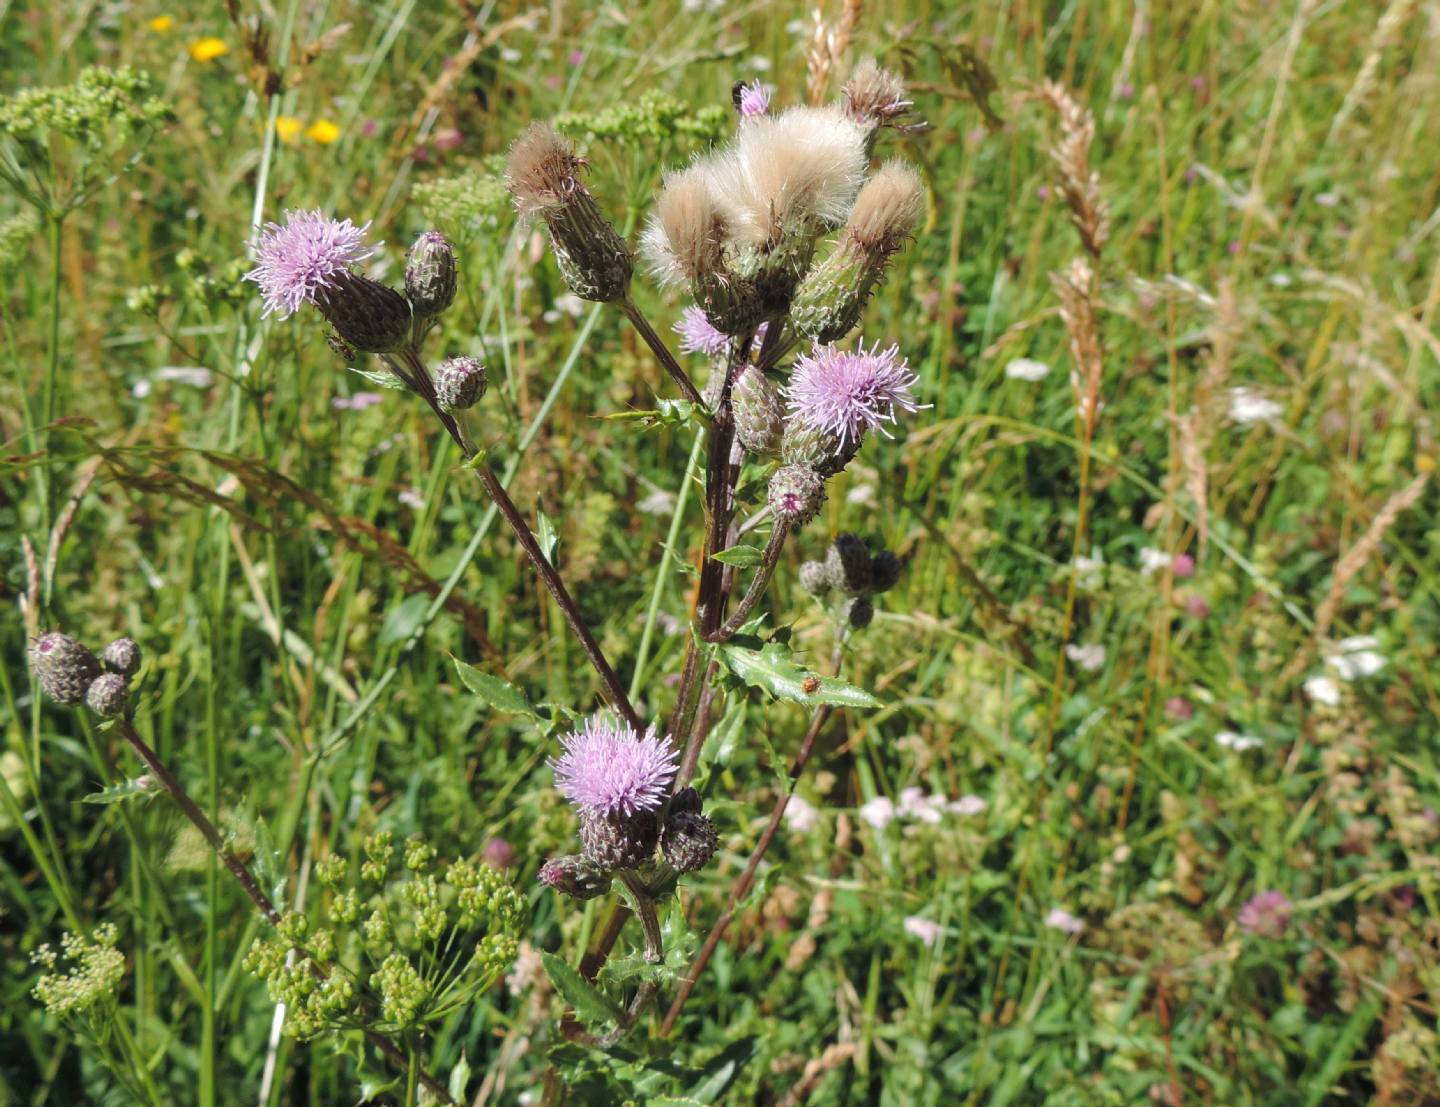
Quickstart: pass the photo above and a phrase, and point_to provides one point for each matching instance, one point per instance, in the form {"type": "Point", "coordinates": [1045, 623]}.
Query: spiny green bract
{"type": "Point", "coordinates": [383, 953]}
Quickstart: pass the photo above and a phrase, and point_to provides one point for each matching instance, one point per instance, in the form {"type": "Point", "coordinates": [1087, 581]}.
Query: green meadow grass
{"type": "Point", "coordinates": [301, 575]}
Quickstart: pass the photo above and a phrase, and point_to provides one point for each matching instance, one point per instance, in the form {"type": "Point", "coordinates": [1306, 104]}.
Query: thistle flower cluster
{"type": "Point", "coordinates": [396, 948]}
{"type": "Point", "coordinates": [617, 781]}
{"type": "Point", "coordinates": [69, 674]}
{"type": "Point", "coordinates": [851, 575]}
{"type": "Point", "coordinates": [90, 978]}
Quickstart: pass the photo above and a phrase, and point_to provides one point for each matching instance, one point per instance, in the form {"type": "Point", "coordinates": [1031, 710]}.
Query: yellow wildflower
{"type": "Point", "coordinates": [208, 49]}
{"type": "Point", "coordinates": [288, 128]}
{"type": "Point", "coordinates": [161, 23]}
{"type": "Point", "coordinates": [323, 132]}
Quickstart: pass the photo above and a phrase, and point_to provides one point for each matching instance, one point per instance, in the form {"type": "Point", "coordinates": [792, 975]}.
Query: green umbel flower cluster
{"type": "Point", "coordinates": [465, 202]}
{"type": "Point", "coordinates": [397, 947]}
{"type": "Point", "coordinates": [94, 970]}
{"type": "Point", "coordinates": [653, 117]}
{"type": "Point", "coordinates": [63, 141]}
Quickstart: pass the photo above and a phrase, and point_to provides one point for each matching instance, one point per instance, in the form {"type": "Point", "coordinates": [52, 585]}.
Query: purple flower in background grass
{"type": "Point", "coordinates": [849, 392]}
{"type": "Point", "coordinates": [294, 262]}
{"type": "Point", "coordinates": [1266, 914]}
{"type": "Point", "coordinates": [607, 769]}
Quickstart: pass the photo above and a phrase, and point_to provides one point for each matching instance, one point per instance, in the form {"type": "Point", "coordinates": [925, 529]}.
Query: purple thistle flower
{"type": "Point", "coordinates": [753, 99]}
{"type": "Point", "coordinates": [1266, 914]}
{"type": "Point", "coordinates": [699, 336]}
{"type": "Point", "coordinates": [847, 393]}
{"type": "Point", "coordinates": [294, 262]}
{"type": "Point", "coordinates": [607, 769]}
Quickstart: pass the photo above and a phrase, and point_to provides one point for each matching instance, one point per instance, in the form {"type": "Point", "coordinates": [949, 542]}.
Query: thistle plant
{"type": "Point", "coordinates": [779, 236]}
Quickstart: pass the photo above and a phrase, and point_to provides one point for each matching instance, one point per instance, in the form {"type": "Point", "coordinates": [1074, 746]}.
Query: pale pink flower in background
{"type": "Point", "coordinates": [1090, 657]}
{"type": "Point", "coordinates": [1266, 914]}
{"type": "Point", "coordinates": [915, 804]}
{"type": "Point", "coordinates": [879, 812]}
{"type": "Point", "coordinates": [967, 805]}
{"type": "Point", "coordinates": [1322, 689]}
{"type": "Point", "coordinates": [754, 99]}
{"type": "Point", "coordinates": [1153, 560]}
{"type": "Point", "coordinates": [1061, 919]}
{"type": "Point", "coordinates": [358, 402]}
{"type": "Point", "coordinates": [800, 815]}
{"type": "Point", "coordinates": [1182, 565]}
{"type": "Point", "coordinates": [1249, 406]}
{"type": "Point", "coordinates": [1178, 708]}
{"type": "Point", "coordinates": [1358, 657]}
{"type": "Point", "coordinates": [1026, 369]}
{"type": "Point", "coordinates": [412, 499]}
{"type": "Point", "coordinates": [926, 930]}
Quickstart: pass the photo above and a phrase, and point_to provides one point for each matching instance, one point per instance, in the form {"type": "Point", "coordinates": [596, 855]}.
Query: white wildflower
{"type": "Point", "coordinates": [1322, 689]}
{"type": "Point", "coordinates": [1026, 369]}
{"type": "Point", "coordinates": [1089, 657]}
{"type": "Point", "coordinates": [800, 815]}
{"type": "Point", "coordinates": [1238, 742]}
{"type": "Point", "coordinates": [1249, 406]}
{"type": "Point", "coordinates": [927, 930]}
{"type": "Point", "coordinates": [879, 812]}
{"type": "Point", "coordinates": [967, 805]}
{"type": "Point", "coordinates": [1061, 919]}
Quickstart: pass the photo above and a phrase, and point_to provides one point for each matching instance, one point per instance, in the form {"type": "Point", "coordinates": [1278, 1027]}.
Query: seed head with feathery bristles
{"type": "Point", "coordinates": [845, 393]}
{"type": "Point", "coordinates": [686, 233]}
{"type": "Point", "coordinates": [887, 209]}
{"type": "Point", "coordinates": [804, 165]}
{"type": "Point", "coordinates": [874, 96]}
{"type": "Point", "coordinates": [607, 769]}
{"type": "Point", "coordinates": [296, 262]}
{"type": "Point", "coordinates": [543, 170]}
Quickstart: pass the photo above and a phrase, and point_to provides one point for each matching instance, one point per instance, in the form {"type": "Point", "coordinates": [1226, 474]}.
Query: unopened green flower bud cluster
{"type": "Point", "coordinates": [849, 576]}
{"type": "Point", "coordinates": [383, 953]}
{"type": "Point", "coordinates": [89, 977]}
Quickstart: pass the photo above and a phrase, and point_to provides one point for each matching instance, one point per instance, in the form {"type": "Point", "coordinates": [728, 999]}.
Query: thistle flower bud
{"type": "Point", "coordinates": [816, 448]}
{"type": "Point", "coordinates": [884, 571]}
{"type": "Point", "coordinates": [796, 494]}
{"type": "Point", "coordinates": [759, 413]}
{"type": "Point", "coordinates": [815, 578]}
{"type": "Point", "coordinates": [861, 612]}
{"type": "Point", "coordinates": [543, 176]}
{"type": "Point", "coordinates": [371, 317]}
{"type": "Point", "coordinates": [688, 841]}
{"type": "Point", "coordinates": [618, 840]}
{"type": "Point", "coordinates": [63, 667]}
{"type": "Point", "coordinates": [122, 656]}
{"type": "Point", "coordinates": [831, 298]}
{"type": "Point", "coordinates": [687, 799]}
{"type": "Point", "coordinates": [575, 876]}
{"type": "Point", "coordinates": [847, 566]}
{"type": "Point", "coordinates": [107, 695]}
{"type": "Point", "coordinates": [430, 274]}
{"type": "Point", "coordinates": [459, 383]}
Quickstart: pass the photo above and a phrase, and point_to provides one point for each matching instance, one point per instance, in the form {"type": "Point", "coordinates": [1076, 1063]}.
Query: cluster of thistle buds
{"type": "Point", "coordinates": [313, 260]}
{"type": "Point", "coordinates": [744, 229]}
{"type": "Point", "coordinates": [852, 575]}
{"type": "Point", "coordinates": [618, 780]}
{"type": "Point", "coordinates": [383, 955]}
{"type": "Point", "coordinates": [69, 674]}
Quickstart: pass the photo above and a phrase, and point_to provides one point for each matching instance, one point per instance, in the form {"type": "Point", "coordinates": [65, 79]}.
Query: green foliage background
{"type": "Point", "coordinates": [1272, 187]}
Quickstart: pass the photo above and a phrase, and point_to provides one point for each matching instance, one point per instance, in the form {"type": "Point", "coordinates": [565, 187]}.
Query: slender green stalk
{"type": "Point", "coordinates": [54, 223]}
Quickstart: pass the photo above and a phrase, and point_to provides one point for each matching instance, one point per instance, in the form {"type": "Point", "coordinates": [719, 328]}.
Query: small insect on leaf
{"type": "Point", "coordinates": [809, 685]}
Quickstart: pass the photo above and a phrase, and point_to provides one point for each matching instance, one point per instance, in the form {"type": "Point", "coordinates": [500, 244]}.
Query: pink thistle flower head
{"type": "Point", "coordinates": [847, 393]}
{"type": "Point", "coordinates": [608, 769]}
{"type": "Point", "coordinates": [700, 336]}
{"type": "Point", "coordinates": [752, 99]}
{"type": "Point", "coordinates": [295, 262]}
{"type": "Point", "coordinates": [1266, 914]}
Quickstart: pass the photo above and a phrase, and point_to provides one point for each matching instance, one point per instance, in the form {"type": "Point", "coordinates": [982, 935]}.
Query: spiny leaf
{"type": "Point", "coordinates": [499, 694]}
{"type": "Point", "coordinates": [770, 666]}
{"type": "Point", "coordinates": [589, 1002]}
{"type": "Point", "coordinates": [118, 793]}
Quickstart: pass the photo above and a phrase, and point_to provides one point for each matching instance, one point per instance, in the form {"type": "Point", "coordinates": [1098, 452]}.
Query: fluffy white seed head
{"type": "Point", "coordinates": [805, 164]}
{"type": "Point", "coordinates": [542, 170]}
{"type": "Point", "coordinates": [685, 234]}
{"type": "Point", "coordinates": [887, 208]}
{"type": "Point", "coordinates": [874, 96]}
